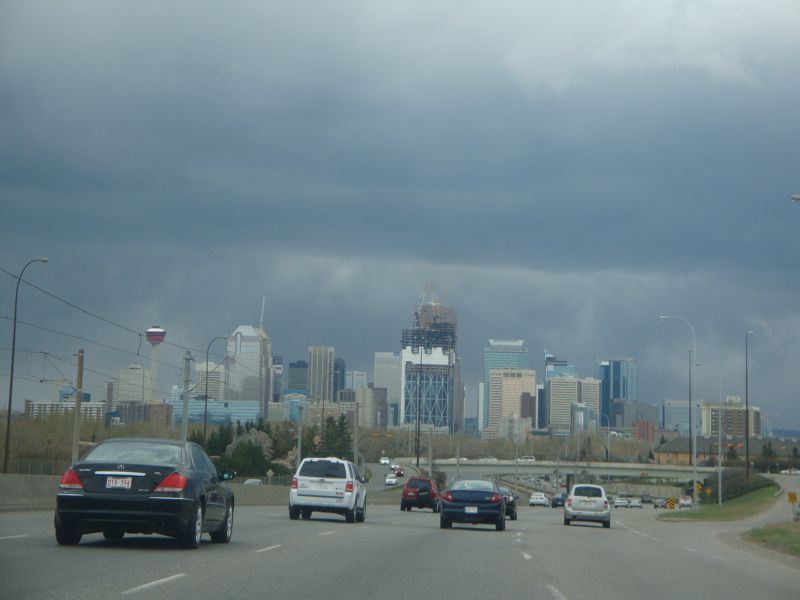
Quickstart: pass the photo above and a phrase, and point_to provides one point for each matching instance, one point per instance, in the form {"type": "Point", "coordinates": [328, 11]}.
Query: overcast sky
{"type": "Point", "coordinates": [559, 172]}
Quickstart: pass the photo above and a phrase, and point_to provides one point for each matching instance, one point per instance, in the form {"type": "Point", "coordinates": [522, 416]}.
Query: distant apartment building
{"type": "Point", "coordinates": [561, 392]}
{"type": "Point", "coordinates": [213, 375]}
{"type": "Point", "coordinates": [41, 409]}
{"type": "Point", "coordinates": [732, 415]}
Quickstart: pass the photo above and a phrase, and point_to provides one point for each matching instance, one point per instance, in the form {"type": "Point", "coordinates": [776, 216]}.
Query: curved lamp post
{"type": "Point", "coordinates": [692, 433]}
{"type": "Point", "coordinates": [11, 373]}
{"type": "Point", "coordinates": [205, 396]}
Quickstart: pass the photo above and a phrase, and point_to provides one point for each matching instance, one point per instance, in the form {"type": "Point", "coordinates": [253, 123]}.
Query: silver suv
{"type": "Point", "coordinates": [587, 503]}
{"type": "Point", "coordinates": [329, 485]}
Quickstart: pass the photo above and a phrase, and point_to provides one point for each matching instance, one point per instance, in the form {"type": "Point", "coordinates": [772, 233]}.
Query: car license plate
{"type": "Point", "coordinates": [118, 483]}
{"type": "Point", "coordinates": [471, 510]}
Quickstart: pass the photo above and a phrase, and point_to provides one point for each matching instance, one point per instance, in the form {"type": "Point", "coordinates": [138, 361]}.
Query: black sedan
{"type": "Point", "coordinates": [511, 502]}
{"type": "Point", "coordinates": [473, 501]}
{"type": "Point", "coordinates": [130, 485]}
{"type": "Point", "coordinates": [558, 500]}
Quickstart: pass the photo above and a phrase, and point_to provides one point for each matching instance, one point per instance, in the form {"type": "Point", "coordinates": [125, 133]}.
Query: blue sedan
{"type": "Point", "coordinates": [473, 501]}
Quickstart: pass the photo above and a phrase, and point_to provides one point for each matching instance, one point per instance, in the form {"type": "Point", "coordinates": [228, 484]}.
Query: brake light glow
{"type": "Point", "coordinates": [174, 482]}
{"type": "Point", "coordinates": [605, 503]}
{"type": "Point", "coordinates": [348, 487]}
{"type": "Point", "coordinates": [447, 497]}
{"type": "Point", "coordinates": [495, 498]}
{"type": "Point", "coordinates": [569, 501]}
{"type": "Point", "coordinates": [70, 481]}
{"type": "Point", "coordinates": [294, 483]}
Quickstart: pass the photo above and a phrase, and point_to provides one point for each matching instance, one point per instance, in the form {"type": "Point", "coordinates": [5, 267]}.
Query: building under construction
{"type": "Point", "coordinates": [430, 370]}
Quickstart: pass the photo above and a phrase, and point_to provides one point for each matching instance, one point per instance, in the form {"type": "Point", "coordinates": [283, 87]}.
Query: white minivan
{"type": "Point", "coordinates": [329, 485]}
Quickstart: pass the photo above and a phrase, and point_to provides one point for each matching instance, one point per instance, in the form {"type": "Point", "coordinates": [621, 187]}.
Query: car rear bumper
{"type": "Point", "coordinates": [339, 505]}
{"type": "Point", "coordinates": [585, 515]}
{"type": "Point", "coordinates": [95, 512]}
{"type": "Point", "coordinates": [457, 514]}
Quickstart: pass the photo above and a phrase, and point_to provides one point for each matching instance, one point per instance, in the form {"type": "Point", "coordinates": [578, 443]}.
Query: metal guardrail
{"type": "Point", "coordinates": [38, 466]}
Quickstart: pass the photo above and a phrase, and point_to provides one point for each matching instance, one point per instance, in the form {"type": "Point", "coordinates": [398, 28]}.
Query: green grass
{"type": "Point", "coordinates": [783, 537]}
{"type": "Point", "coordinates": [732, 510]}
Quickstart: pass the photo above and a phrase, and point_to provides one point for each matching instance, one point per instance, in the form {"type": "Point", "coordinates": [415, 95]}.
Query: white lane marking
{"type": "Point", "coordinates": [527, 556]}
{"type": "Point", "coordinates": [556, 594]}
{"type": "Point", "coordinates": [327, 532]}
{"type": "Point", "coordinates": [13, 537]}
{"type": "Point", "coordinates": [269, 548]}
{"type": "Point", "coordinates": [690, 550]}
{"type": "Point", "coordinates": [153, 584]}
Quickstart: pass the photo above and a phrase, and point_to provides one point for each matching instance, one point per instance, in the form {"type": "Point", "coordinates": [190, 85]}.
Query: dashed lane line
{"type": "Point", "coordinates": [153, 584]}
{"type": "Point", "coordinates": [556, 594]}
{"type": "Point", "coordinates": [13, 537]}
{"type": "Point", "coordinates": [269, 548]}
{"type": "Point", "coordinates": [327, 532]}
{"type": "Point", "coordinates": [526, 556]}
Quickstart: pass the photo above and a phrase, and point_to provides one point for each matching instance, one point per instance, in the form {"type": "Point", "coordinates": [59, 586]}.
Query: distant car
{"type": "Point", "coordinates": [620, 502]}
{"type": "Point", "coordinates": [385, 460]}
{"type": "Point", "coordinates": [394, 466]}
{"type": "Point", "coordinates": [487, 459]}
{"type": "Point", "coordinates": [647, 499]}
{"type": "Point", "coordinates": [511, 502]}
{"type": "Point", "coordinates": [587, 503]}
{"type": "Point", "coordinates": [685, 502]}
{"type": "Point", "coordinates": [558, 500]}
{"type": "Point", "coordinates": [328, 485]}
{"type": "Point", "coordinates": [135, 485]}
{"type": "Point", "coordinates": [473, 501]}
{"type": "Point", "coordinates": [391, 479]}
{"type": "Point", "coordinates": [399, 472]}
{"type": "Point", "coordinates": [659, 503]}
{"type": "Point", "coordinates": [634, 502]}
{"type": "Point", "coordinates": [253, 482]}
{"type": "Point", "coordinates": [538, 499]}
{"type": "Point", "coordinates": [526, 459]}
{"type": "Point", "coordinates": [420, 492]}
{"type": "Point", "coordinates": [790, 472]}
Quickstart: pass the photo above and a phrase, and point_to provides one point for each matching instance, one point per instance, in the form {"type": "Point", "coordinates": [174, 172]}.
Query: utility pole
{"type": "Point", "coordinates": [430, 449]}
{"type": "Point", "coordinates": [76, 424]}
{"type": "Point", "coordinates": [458, 456]}
{"type": "Point", "coordinates": [187, 359]}
{"type": "Point", "coordinates": [355, 437]}
{"type": "Point", "coordinates": [300, 437]}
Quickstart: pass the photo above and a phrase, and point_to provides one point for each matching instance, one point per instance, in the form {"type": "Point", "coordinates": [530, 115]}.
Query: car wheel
{"type": "Point", "coordinates": [501, 524]}
{"type": "Point", "coordinates": [225, 530]}
{"type": "Point", "coordinates": [402, 507]}
{"type": "Point", "coordinates": [294, 513]}
{"type": "Point", "coordinates": [444, 522]}
{"type": "Point", "coordinates": [514, 515]}
{"type": "Point", "coordinates": [114, 533]}
{"type": "Point", "coordinates": [607, 524]}
{"type": "Point", "coordinates": [361, 513]}
{"type": "Point", "coordinates": [306, 514]}
{"type": "Point", "coordinates": [189, 538]}
{"type": "Point", "coordinates": [67, 535]}
{"type": "Point", "coordinates": [566, 521]}
{"type": "Point", "coordinates": [350, 515]}
{"type": "Point", "coordinates": [436, 508]}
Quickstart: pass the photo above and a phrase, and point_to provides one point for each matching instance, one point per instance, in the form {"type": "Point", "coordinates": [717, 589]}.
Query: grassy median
{"type": "Point", "coordinates": [732, 510]}
{"type": "Point", "coordinates": [783, 537]}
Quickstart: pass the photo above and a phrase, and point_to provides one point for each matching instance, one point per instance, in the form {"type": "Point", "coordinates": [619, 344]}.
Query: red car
{"type": "Point", "coordinates": [420, 492]}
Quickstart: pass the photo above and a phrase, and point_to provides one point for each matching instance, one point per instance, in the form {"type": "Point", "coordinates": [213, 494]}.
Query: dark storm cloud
{"type": "Point", "coordinates": [569, 172]}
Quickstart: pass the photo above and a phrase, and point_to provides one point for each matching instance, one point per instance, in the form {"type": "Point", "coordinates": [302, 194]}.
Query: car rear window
{"type": "Point", "coordinates": [147, 453]}
{"type": "Point", "coordinates": [323, 468]}
{"type": "Point", "coordinates": [472, 484]}
{"type": "Point", "coordinates": [587, 492]}
{"type": "Point", "coordinates": [420, 484]}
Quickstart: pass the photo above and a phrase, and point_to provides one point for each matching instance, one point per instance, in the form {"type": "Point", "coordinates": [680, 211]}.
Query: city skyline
{"type": "Point", "coordinates": [559, 175]}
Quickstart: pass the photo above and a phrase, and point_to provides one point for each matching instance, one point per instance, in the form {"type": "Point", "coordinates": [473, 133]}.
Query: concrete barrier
{"type": "Point", "coordinates": [38, 492]}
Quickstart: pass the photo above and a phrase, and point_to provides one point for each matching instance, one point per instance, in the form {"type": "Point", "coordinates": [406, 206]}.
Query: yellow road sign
{"type": "Point", "coordinates": [708, 491]}
{"type": "Point", "coordinates": [792, 498]}
{"type": "Point", "coordinates": [671, 503]}
{"type": "Point", "coordinates": [699, 486]}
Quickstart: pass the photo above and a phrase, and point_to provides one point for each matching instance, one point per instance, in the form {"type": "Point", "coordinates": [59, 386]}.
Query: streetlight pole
{"type": "Point", "coordinates": [13, 351]}
{"type": "Point", "coordinates": [693, 432]}
{"type": "Point", "coordinates": [419, 405]}
{"type": "Point", "coordinates": [608, 435]}
{"type": "Point", "coordinates": [746, 409]}
{"type": "Point", "coordinates": [205, 396]}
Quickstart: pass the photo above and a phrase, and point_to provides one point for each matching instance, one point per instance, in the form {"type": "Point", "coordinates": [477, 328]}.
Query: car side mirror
{"type": "Point", "coordinates": [227, 475]}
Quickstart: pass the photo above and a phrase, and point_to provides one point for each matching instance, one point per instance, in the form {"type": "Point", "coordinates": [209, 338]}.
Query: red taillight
{"type": "Point", "coordinates": [174, 482]}
{"type": "Point", "coordinates": [447, 497]}
{"type": "Point", "coordinates": [495, 498]}
{"type": "Point", "coordinates": [348, 487]}
{"type": "Point", "coordinates": [605, 503]}
{"type": "Point", "coordinates": [294, 483]}
{"type": "Point", "coordinates": [433, 494]}
{"type": "Point", "coordinates": [70, 481]}
{"type": "Point", "coordinates": [569, 501]}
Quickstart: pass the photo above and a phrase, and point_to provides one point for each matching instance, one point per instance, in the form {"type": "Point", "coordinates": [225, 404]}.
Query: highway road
{"type": "Point", "coordinates": [397, 555]}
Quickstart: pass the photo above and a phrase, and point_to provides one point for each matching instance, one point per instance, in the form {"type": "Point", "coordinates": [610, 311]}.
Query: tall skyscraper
{"type": "Point", "coordinates": [561, 392]}
{"type": "Point", "coordinates": [500, 354]}
{"type": "Point", "coordinates": [354, 380]}
{"type": "Point", "coordinates": [339, 372]}
{"type": "Point", "coordinates": [428, 367]}
{"type": "Point", "coordinates": [298, 376]}
{"type": "Point", "coordinates": [620, 381]}
{"type": "Point", "coordinates": [215, 373]}
{"type": "Point", "coordinates": [506, 388]}
{"type": "Point", "coordinates": [589, 396]}
{"type": "Point", "coordinates": [387, 375]}
{"type": "Point", "coordinates": [249, 372]}
{"type": "Point", "coordinates": [277, 377]}
{"type": "Point", "coordinates": [555, 367]}
{"type": "Point", "coordinates": [320, 373]}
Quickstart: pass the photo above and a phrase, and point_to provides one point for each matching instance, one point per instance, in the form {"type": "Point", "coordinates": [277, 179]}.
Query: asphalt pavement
{"type": "Point", "coordinates": [394, 555]}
